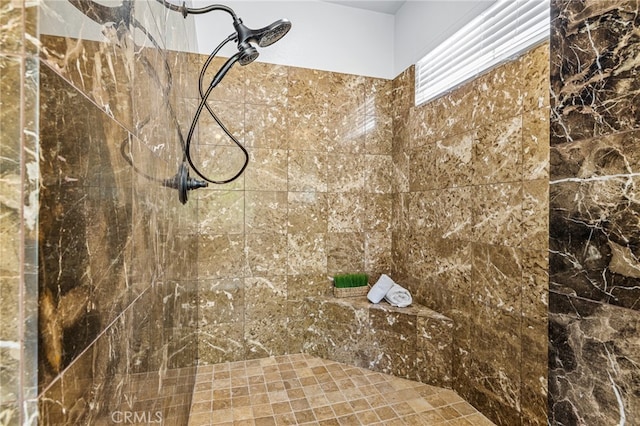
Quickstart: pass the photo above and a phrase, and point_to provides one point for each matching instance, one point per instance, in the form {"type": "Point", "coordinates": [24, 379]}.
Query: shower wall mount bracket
{"type": "Point", "coordinates": [183, 183]}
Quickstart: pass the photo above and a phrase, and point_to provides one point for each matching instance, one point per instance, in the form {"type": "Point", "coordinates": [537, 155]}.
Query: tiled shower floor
{"type": "Point", "coordinates": [304, 390]}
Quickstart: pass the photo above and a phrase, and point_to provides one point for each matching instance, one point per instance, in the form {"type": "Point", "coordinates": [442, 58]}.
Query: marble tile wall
{"type": "Point", "coordinates": [594, 312]}
{"type": "Point", "coordinates": [470, 227]}
{"type": "Point", "coordinates": [18, 213]}
{"type": "Point", "coordinates": [315, 200]}
{"type": "Point", "coordinates": [116, 269]}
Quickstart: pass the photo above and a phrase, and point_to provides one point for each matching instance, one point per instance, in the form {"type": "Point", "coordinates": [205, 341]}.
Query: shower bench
{"type": "Point", "coordinates": [413, 342]}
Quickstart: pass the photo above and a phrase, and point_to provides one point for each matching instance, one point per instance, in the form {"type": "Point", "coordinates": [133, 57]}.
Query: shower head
{"type": "Point", "coordinates": [274, 32]}
{"type": "Point", "coordinates": [248, 54]}
{"type": "Point", "coordinates": [264, 36]}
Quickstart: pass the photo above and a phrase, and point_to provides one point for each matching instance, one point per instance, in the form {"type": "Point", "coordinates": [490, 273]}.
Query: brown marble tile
{"type": "Point", "coordinates": [452, 114]}
{"type": "Point", "coordinates": [308, 212]}
{"type": "Point", "coordinates": [222, 162]}
{"type": "Point", "coordinates": [265, 337]}
{"type": "Point", "coordinates": [265, 211]}
{"type": "Point", "coordinates": [301, 286]}
{"type": "Point", "coordinates": [535, 284]}
{"type": "Point", "coordinates": [266, 253]}
{"type": "Point", "coordinates": [96, 70]}
{"type": "Point", "coordinates": [401, 170]}
{"type": "Point", "coordinates": [422, 169]}
{"type": "Point", "coordinates": [307, 253]}
{"type": "Point", "coordinates": [11, 22]}
{"type": "Point", "coordinates": [265, 126]}
{"type": "Point", "coordinates": [220, 212]}
{"type": "Point", "coordinates": [434, 345]}
{"type": "Point", "coordinates": [498, 152]}
{"type": "Point", "coordinates": [497, 275]}
{"type": "Point", "coordinates": [346, 212]}
{"type": "Point", "coordinates": [378, 116]}
{"type": "Point", "coordinates": [454, 160]}
{"type": "Point", "coordinates": [85, 200]}
{"type": "Point", "coordinates": [353, 333]}
{"type": "Point", "coordinates": [267, 170]}
{"type": "Point", "coordinates": [135, 370]}
{"type": "Point", "coordinates": [266, 84]}
{"type": "Point", "coordinates": [535, 144]}
{"type": "Point", "coordinates": [209, 132]}
{"type": "Point", "coordinates": [221, 256]}
{"type": "Point", "coordinates": [265, 298]}
{"type": "Point", "coordinates": [306, 123]}
{"type": "Point", "coordinates": [456, 213]}
{"type": "Point", "coordinates": [220, 301]}
{"type": "Point", "coordinates": [345, 252]}
{"type": "Point", "coordinates": [534, 77]}
{"type": "Point", "coordinates": [221, 343]}
{"type": "Point", "coordinates": [232, 88]}
{"type": "Point", "coordinates": [495, 364]}
{"type": "Point", "coordinates": [592, 240]}
{"type": "Point", "coordinates": [378, 212]}
{"type": "Point", "coordinates": [398, 354]}
{"type": "Point", "coordinates": [377, 252]}
{"type": "Point", "coordinates": [453, 265]}
{"type": "Point", "coordinates": [420, 255]}
{"type": "Point", "coordinates": [403, 92]}
{"type": "Point", "coordinates": [379, 174]}
{"type": "Point", "coordinates": [534, 372]}
{"type": "Point", "coordinates": [500, 94]}
{"type": "Point", "coordinates": [535, 218]}
{"type": "Point", "coordinates": [423, 211]}
{"type": "Point", "coordinates": [498, 214]}
{"type": "Point", "coordinates": [307, 171]}
{"type": "Point", "coordinates": [345, 173]}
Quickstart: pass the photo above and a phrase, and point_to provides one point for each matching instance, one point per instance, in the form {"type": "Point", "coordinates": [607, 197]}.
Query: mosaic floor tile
{"type": "Point", "coordinates": [304, 390]}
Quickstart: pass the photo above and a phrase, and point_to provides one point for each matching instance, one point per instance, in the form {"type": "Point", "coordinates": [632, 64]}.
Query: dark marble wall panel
{"type": "Point", "coordinates": [85, 224]}
{"type": "Point", "coordinates": [595, 88]}
{"type": "Point", "coordinates": [594, 298]}
{"type": "Point", "coordinates": [593, 362]}
{"type": "Point", "coordinates": [117, 270]}
{"type": "Point", "coordinates": [470, 227]}
{"type": "Point", "coordinates": [18, 212]}
{"type": "Point", "coordinates": [141, 377]}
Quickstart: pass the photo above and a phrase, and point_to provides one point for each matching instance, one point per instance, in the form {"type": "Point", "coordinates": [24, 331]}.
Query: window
{"type": "Point", "coordinates": [501, 33]}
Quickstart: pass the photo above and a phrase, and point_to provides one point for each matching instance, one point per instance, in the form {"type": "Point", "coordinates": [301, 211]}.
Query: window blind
{"type": "Point", "coordinates": [501, 33]}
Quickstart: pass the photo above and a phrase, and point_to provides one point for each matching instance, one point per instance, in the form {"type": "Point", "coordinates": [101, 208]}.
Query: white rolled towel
{"type": "Point", "coordinates": [380, 289]}
{"type": "Point", "coordinates": [398, 296]}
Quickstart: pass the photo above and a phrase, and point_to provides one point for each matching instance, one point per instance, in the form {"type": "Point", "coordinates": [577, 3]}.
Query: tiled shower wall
{"type": "Point", "coordinates": [315, 200]}
{"type": "Point", "coordinates": [18, 212]}
{"type": "Point", "coordinates": [337, 162]}
{"type": "Point", "coordinates": [116, 331]}
{"type": "Point", "coordinates": [594, 311]}
{"type": "Point", "coordinates": [470, 228]}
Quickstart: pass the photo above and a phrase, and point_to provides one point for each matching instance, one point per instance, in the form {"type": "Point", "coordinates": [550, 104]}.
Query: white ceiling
{"type": "Point", "coordinates": [388, 7]}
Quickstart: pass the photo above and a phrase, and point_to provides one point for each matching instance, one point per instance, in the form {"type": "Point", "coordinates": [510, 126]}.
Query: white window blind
{"type": "Point", "coordinates": [502, 32]}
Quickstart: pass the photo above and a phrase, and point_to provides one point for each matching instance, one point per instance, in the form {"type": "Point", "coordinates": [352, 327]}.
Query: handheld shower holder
{"type": "Point", "coordinates": [183, 183]}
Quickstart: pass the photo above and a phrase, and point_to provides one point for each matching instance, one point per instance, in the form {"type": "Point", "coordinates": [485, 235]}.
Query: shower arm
{"type": "Point", "coordinates": [185, 11]}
